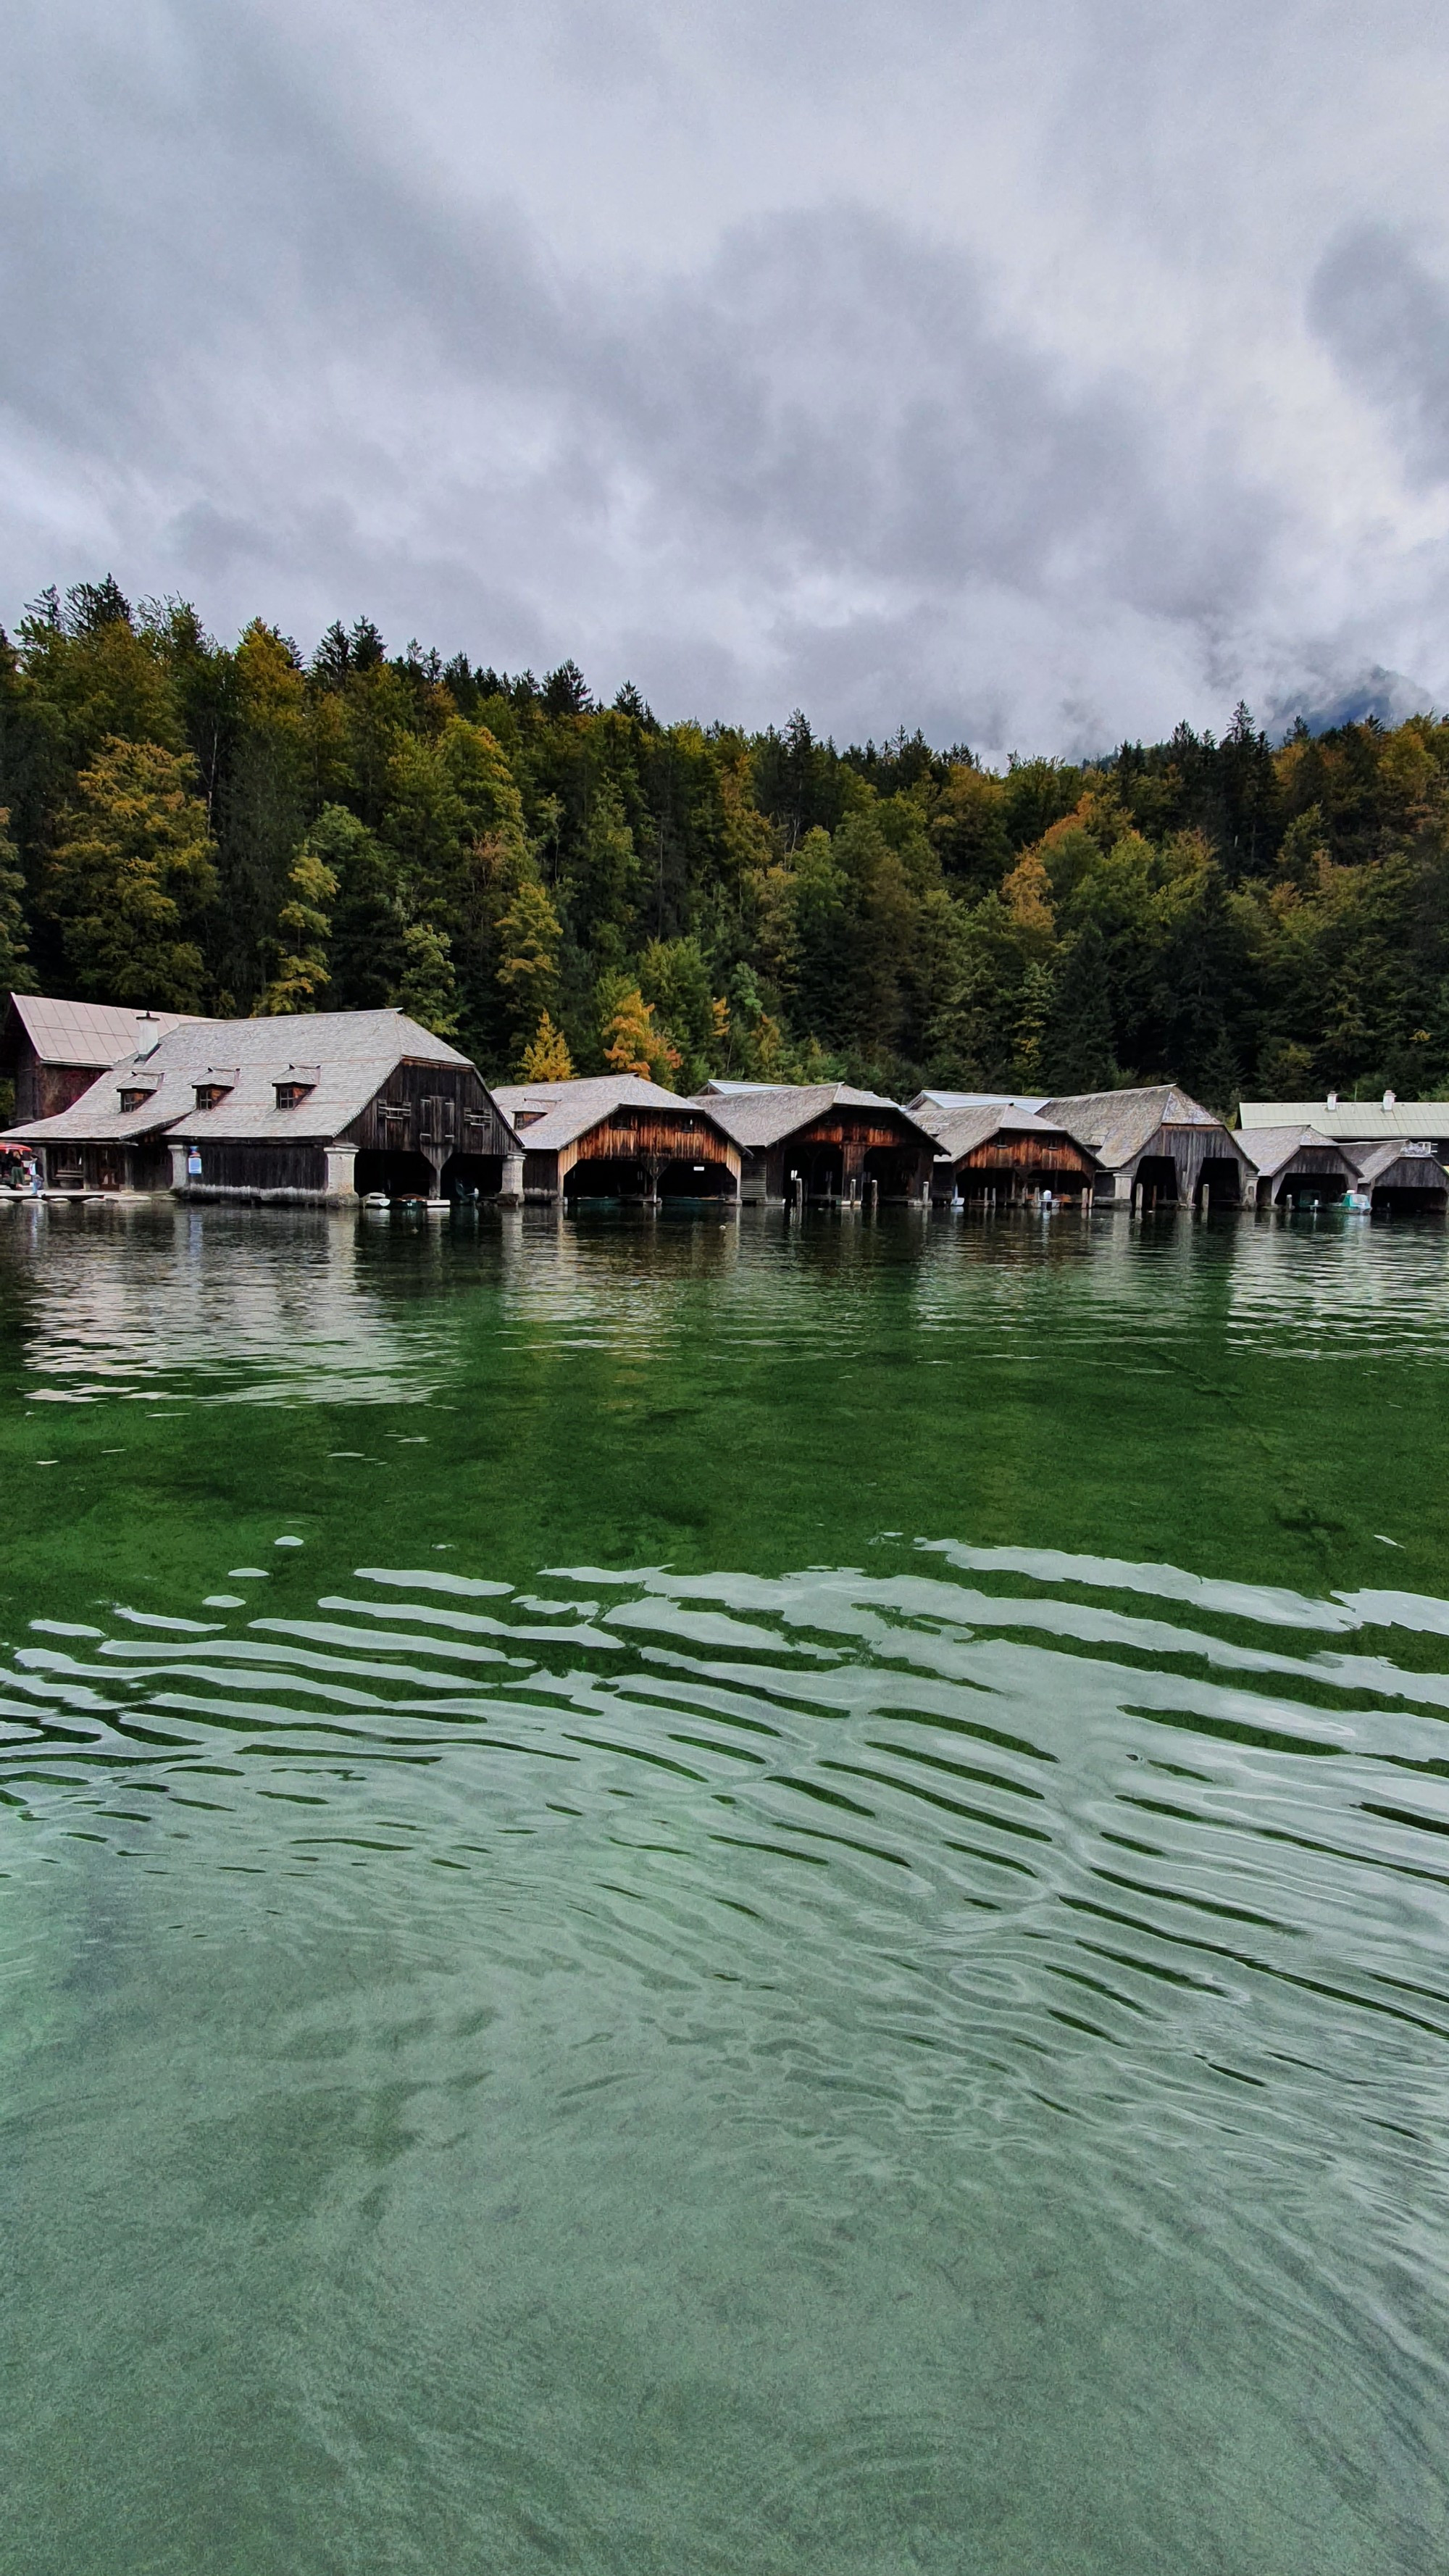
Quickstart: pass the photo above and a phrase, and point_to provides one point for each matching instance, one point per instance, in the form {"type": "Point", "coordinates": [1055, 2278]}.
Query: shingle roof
{"type": "Point", "coordinates": [98, 1033]}
{"type": "Point", "coordinates": [570, 1109]}
{"type": "Point", "coordinates": [1427, 1171]}
{"type": "Point", "coordinates": [1351, 1121]}
{"type": "Point", "coordinates": [764, 1118]}
{"type": "Point", "coordinates": [960, 1131]}
{"type": "Point", "coordinates": [352, 1053]}
{"type": "Point", "coordinates": [1271, 1149]}
{"type": "Point", "coordinates": [1118, 1124]}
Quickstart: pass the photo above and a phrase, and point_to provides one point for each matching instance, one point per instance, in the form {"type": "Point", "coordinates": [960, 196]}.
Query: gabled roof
{"type": "Point", "coordinates": [1421, 1171]}
{"type": "Point", "coordinates": [766, 1117]}
{"type": "Point", "coordinates": [927, 1103]}
{"type": "Point", "coordinates": [1272, 1149]}
{"type": "Point", "coordinates": [1351, 1121]}
{"type": "Point", "coordinates": [1118, 1124]}
{"type": "Point", "coordinates": [554, 1114]}
{"type": "Point", "coordinates": [351, 1053]}
{"type": "Point", "coordinates": [960, 1131]}
{"type": "Point", "coordinates": [81, 1033]}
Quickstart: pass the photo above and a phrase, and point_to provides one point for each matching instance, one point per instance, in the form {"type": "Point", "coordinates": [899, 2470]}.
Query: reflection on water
{"type": "Point", "coordinates": [871, 2036]}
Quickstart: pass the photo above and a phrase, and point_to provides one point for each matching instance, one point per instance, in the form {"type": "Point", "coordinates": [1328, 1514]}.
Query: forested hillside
{"type": "Point", "coordinates": [556, 883]}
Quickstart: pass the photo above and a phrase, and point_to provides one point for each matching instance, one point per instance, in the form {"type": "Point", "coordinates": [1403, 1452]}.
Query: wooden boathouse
{"type": "Point", "coordinates": [617, 1136]}
{"type": "Point", "coordinates": [822, 1141]}
{"type": "Point", "coordinates": [52, 1051]}
{"type": "Point", "coordinates": [1156, 1147]}
{"type": "Point", "coordinates": [312, 1108]}
{"type": "Point", "coordinates": [1395, 1150]}
{"type": "Point", "coordinates": [1297, 1167]}
{"type": "Point", "coordinates": [995, 1154]}
{"type": "Point", "coordinates": [1403, 1180]}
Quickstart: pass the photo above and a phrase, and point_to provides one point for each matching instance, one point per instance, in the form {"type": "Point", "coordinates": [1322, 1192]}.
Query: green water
{"type": "Point", "coordinates": [808, 1931]}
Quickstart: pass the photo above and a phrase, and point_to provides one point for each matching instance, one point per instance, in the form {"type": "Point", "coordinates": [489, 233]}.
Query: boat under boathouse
{"type": "Point", "coordinates": [822, 1141]}
{"type": "Point", "coordinates": [616, 1136]}
{"type": "Point", "coordinates": [1298, 1167]}
{"type": "Point", "coordinates": [330, 1105]}
{"type": "Point", "coordinates": [999, 1154]}
{"type": "Point", "coordinates": [1156, 1147]}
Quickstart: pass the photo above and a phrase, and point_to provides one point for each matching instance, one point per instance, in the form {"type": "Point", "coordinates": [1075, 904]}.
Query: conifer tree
{"type": "Point", "coordinates": [132, 878]}
{"type": "Point", "coordinates": [299, 971]}
{"type": "Point", "coordinates": [15, 976]}
{"type": "Point", "coordinates": [546, 1057]}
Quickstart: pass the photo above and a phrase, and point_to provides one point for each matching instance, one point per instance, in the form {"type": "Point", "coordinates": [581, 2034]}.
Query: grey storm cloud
{"type": "Point", "coordinates": [1385, 317]}
{"type": "Point", "coordinates": [777, 357]}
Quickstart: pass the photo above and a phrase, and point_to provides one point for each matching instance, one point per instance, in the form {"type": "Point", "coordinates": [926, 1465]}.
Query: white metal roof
{"type": "Point", "coordinates": [89, 1033]}
{"type": "Point", "coordinates": [1352, 1121]}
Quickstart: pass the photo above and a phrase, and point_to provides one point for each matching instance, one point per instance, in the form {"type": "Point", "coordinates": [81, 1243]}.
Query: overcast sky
{"type": "Point", "coordinates": [1037, 373]}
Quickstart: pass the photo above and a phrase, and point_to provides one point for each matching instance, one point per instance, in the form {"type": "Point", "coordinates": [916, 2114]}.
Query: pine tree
{"type": "Point", "coordinates": [299, 970]}
{"type": "Point", "coordinates": [132, 877]}
{"type": "Point", "coordinates": [1077, 1047]}
{"type": "Point", "coordinates": [428, 988]}
{"type": "Point", "coordinates": [15, 976]}
{"type": "Point", "coordinates": [546, 1057]}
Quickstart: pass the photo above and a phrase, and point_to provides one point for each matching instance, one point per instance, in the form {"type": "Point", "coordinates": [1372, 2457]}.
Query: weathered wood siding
{"type": "Point", "coordinates": [1026, 1154]}
{"type": "Point", "coordinates": [652, 1137]}
{"type": "Point", "coordinates": [440, 1109]}
{"type": "Point", "coordinates": [251, 1171]}
{"type": "Point", "coordinates": [43, 1090]}
{"type": "Point", "coordinates": [852, 1134]}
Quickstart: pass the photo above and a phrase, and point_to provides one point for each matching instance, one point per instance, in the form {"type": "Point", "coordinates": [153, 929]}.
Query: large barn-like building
{"type": "Point", "coordinates": [327, 1106]}
{"type": "Point", "coordinates": [1156, 1147]}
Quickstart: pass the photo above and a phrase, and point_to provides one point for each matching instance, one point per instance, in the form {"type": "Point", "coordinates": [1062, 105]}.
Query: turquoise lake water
{"type": "Point", "coordinates": [714, 1894]}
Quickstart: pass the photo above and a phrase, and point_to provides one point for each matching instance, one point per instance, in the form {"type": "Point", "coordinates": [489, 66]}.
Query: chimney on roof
{"type": "Point", "coordinates": [1333, 1100]}
{"type": "Point", "coordinates": [1388, 1100]}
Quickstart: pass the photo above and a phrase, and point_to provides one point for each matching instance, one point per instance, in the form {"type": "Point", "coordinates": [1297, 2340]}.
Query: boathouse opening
{"type": "Point", "coordinates": [1311, 1189]}
{"type": "Point", "coordinates": [1155, 1184]}
{"type": "Point", "coordinates": [396, 1170]}
{"type": "Point", "coordinates": [895, 1169]}
{"type": "Point", "coordinates": [1221, 1181]}
{"type": "Point", "coordinates": [689, 1179]}
{"type": "Point", "coordinates": [820, 1167]}
{"type": "Point", "coordinates": [614, 1176]}
{"type": "Point", "coordinates": [1396, 1199]}
{"type": "Point", "coordinates": [472, 1176]}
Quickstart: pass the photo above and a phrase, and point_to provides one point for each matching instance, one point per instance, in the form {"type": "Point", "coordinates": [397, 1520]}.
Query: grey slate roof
{"type": "Point", "coordinates": [1351, 1121]}
{"type": "Point", "coordinates": [98, 1033]}
{"type": "Point", "coordinates": [960, 1131]}
{"type": "Point", "coordinates": [1421, 1171]}
{"type": "Point", "coordinates": [763, 1118]}
{"type": "Point", "coordinates": [570, 1109]}
{"type": "Point", "coordinates": [352, 1053]}
{"type": "Point", "coordinates": [1271, 1149]}
{"type": "Point", "coordinates": [1118, 1124]}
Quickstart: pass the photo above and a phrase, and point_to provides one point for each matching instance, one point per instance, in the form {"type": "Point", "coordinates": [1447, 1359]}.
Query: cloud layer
{"type": "Point", "coordinates": [1036, 375]}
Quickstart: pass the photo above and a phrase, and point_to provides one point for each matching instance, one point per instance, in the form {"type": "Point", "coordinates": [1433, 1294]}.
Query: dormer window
{"type": "Point", "coordinates": [212, 1086]}
{"type": "Point", "coordinates": [295, 1084]}
{"type": "Point", "coordinates": [135, 1096]}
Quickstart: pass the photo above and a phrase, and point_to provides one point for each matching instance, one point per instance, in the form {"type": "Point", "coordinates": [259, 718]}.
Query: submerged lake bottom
{"type": "Point", "coordinates": [723, 1894]}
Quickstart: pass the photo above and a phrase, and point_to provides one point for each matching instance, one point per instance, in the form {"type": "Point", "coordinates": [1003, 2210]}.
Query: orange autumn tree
{"type": "Point", "coordinates": [632, 1043]}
